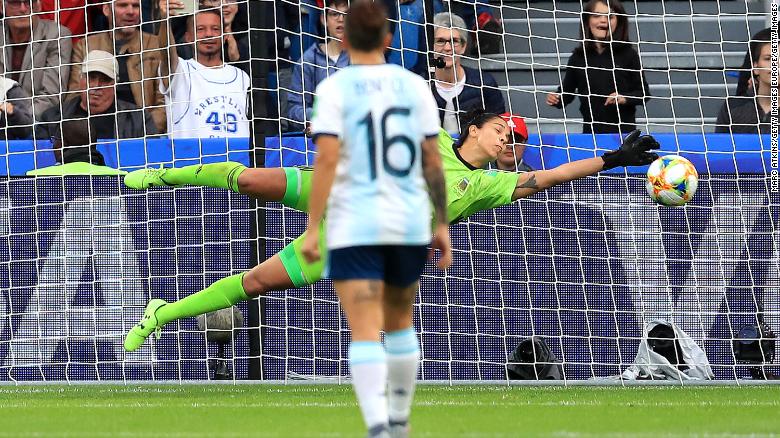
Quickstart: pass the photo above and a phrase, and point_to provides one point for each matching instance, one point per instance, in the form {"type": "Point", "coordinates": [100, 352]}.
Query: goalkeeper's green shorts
{"type": "Point", "coordinates": [296, 196]}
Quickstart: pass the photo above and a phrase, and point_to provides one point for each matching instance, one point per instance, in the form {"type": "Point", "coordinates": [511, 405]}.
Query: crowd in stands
{"type": "Point", "coordinates": [121, 82]}
{"type": "Point", "coordinates": [127, 77]}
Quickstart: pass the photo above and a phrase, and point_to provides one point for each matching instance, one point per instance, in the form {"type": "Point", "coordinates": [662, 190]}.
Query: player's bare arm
{"type": "Point", "coordinates": [434, 178]}
{"type": "Point", "coordinates": [635, 151]}
{"type": "Point", "coordinates": [165, 37]}
{"type": "Point", "coordinates": [532, 182]}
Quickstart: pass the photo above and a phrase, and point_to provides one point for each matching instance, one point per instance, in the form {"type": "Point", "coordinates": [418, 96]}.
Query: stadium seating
{"type": "Point", "coordinates": [686, 77]}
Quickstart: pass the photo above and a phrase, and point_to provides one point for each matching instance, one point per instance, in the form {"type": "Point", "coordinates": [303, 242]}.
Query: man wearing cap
{"type": "Point", "coordinates": [137, 54]}
{"type": "Point", "coordinates": [512, 157]}
{"type": "Point", "coordinates": [109, 118]}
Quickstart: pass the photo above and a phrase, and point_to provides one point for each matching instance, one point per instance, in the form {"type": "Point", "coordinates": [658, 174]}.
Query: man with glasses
{"type": "Point", "coordinates": [459, 89]}
{"type": "Point", "coordinates": [109, 117]}
{"type": "Point", "coordinates": [137, 56]}
{"type": "Point", "coordinates": [318, 62]}
{"type": "Point", "coordinates": [36, 53]}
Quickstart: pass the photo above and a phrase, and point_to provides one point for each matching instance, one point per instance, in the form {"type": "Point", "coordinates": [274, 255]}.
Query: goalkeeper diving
{"type": "Point", "coordinates": [471, 187]}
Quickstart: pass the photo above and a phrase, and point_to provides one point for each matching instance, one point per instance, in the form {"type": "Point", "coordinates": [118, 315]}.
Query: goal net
{"type": "Point", "coordinates": [584, 266]}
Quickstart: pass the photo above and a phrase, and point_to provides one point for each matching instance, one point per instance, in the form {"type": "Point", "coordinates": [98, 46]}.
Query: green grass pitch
{"type": "Point", "coordinates": [439, 411]}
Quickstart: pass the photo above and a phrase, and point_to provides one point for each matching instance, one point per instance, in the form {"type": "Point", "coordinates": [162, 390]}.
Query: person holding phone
{"type": "Point", "coordinates": [205, 97]}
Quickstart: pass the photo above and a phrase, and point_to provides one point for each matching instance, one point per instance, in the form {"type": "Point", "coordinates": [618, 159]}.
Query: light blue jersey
{"type": "Point", "coordinates": [381, 114]}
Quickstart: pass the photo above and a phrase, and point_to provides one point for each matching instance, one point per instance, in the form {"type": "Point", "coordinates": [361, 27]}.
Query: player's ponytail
{"type": "Point", "coordinates": [476, 117]}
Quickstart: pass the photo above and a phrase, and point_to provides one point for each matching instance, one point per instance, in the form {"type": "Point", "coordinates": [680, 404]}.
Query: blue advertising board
{"type": "Point", "coordinates": [80, 257]}
{"type": "Point", "coordinates": [710, 153]}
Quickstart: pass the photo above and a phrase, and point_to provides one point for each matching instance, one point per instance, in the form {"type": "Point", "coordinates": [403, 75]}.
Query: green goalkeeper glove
{"type": "Point", "coordinates": [633, 152]}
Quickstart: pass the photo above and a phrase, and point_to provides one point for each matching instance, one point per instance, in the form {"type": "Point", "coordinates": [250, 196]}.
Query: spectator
{"type": "Point", "coordinates": [16, 118]}
{"type": "Point", "coordinates": [77, 144]}
{"type": "Point", "coordinates": [287, 47]}
{"type": "Point", "coordinates": [76, 152]}
{"type": "Point", "coordinates": [318, 62]}
{"type": "Point", "coordinates": [206, 97]}
{"type": "Point", "coordinates": [69, 13]}
{"type": "Point", "coordinates": [236, 43]}
{"type": "Point", "coordinates": [604, 71]}
{"type": "Point", "coordinates": [235, 46]}
{"type": "Point", "coordinates": [459, 89]}
{"type": "Point", "coordinates": [479, 17]}
{"type": "Point", "coordinates": [137, 54]}
{"type": "Point", "coordinates": [512, 158]}
{"type": "Point", "coordinates": [36, 53]}
{"type": "Point", "coordinates": [109, 117]}
{"type": "Point", "coordinates": [751, 115]}
{"type": "Point", "coordinates": [745, 81]}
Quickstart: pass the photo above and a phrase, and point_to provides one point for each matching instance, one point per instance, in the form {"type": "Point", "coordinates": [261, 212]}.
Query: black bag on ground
{"type": "Point", "coordinates": [533, 360]}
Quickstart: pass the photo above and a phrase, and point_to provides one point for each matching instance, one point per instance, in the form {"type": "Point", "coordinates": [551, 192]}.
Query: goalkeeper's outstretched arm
{"type": "Point", "coordinates": [635, 151]}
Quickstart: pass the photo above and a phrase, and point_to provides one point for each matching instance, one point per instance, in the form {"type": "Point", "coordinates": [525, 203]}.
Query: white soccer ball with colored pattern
{"type": "Point", "coordinates": [672, 180]}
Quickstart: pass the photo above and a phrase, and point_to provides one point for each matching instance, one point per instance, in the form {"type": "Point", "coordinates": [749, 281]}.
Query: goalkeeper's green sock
{"type": "Point", "coordinates": [219, 175]}
{"type": "Point", "coordinates": [220, 295]}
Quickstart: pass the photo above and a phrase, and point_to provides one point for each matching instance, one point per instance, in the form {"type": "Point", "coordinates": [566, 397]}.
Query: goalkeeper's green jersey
{"type": "Point", "coordinates": [470, 189]}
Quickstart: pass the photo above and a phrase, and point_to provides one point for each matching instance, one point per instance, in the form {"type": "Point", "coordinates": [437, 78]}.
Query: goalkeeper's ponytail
{"type": "Point", "coordinates": [476, 117]}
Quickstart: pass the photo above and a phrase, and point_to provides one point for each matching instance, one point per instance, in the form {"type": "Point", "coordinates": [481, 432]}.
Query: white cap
{"type": "Point", "coordinates": [100, 61]}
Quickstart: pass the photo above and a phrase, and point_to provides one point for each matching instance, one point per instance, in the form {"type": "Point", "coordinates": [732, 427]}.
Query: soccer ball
{"type": "Point", "coordinates": [672, 180]}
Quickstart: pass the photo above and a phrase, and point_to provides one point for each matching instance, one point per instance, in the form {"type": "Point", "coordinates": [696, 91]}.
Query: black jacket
{"type": "Point", "coordinates": [131, 121]}
{"type": "Point", "coordinates": [742, 115]}
{"type": "Point", "coordinates": [593, 77]}
{"type": "Point", "coordinates": [78, 140]}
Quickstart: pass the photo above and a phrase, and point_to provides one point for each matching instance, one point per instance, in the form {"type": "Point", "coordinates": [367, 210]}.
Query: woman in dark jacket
{"type": "Point", "coordinates": [605, 72]}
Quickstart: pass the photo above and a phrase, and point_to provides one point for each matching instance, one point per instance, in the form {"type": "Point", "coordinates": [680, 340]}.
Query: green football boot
{"type": "Point", "coordinates": [144, 178]}
{"type": "Point", "coordinates": [148, 324]}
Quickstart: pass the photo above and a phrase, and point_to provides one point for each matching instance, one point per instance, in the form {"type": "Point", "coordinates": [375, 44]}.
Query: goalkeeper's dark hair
{"type": "Point", "coordinates": [366, 25]}
{"type": "Point", "coordinates": [476, 117]}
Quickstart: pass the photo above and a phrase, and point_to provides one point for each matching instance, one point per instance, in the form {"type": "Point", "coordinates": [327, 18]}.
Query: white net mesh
{"type": "Point", "coordinates": [584, 266]}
